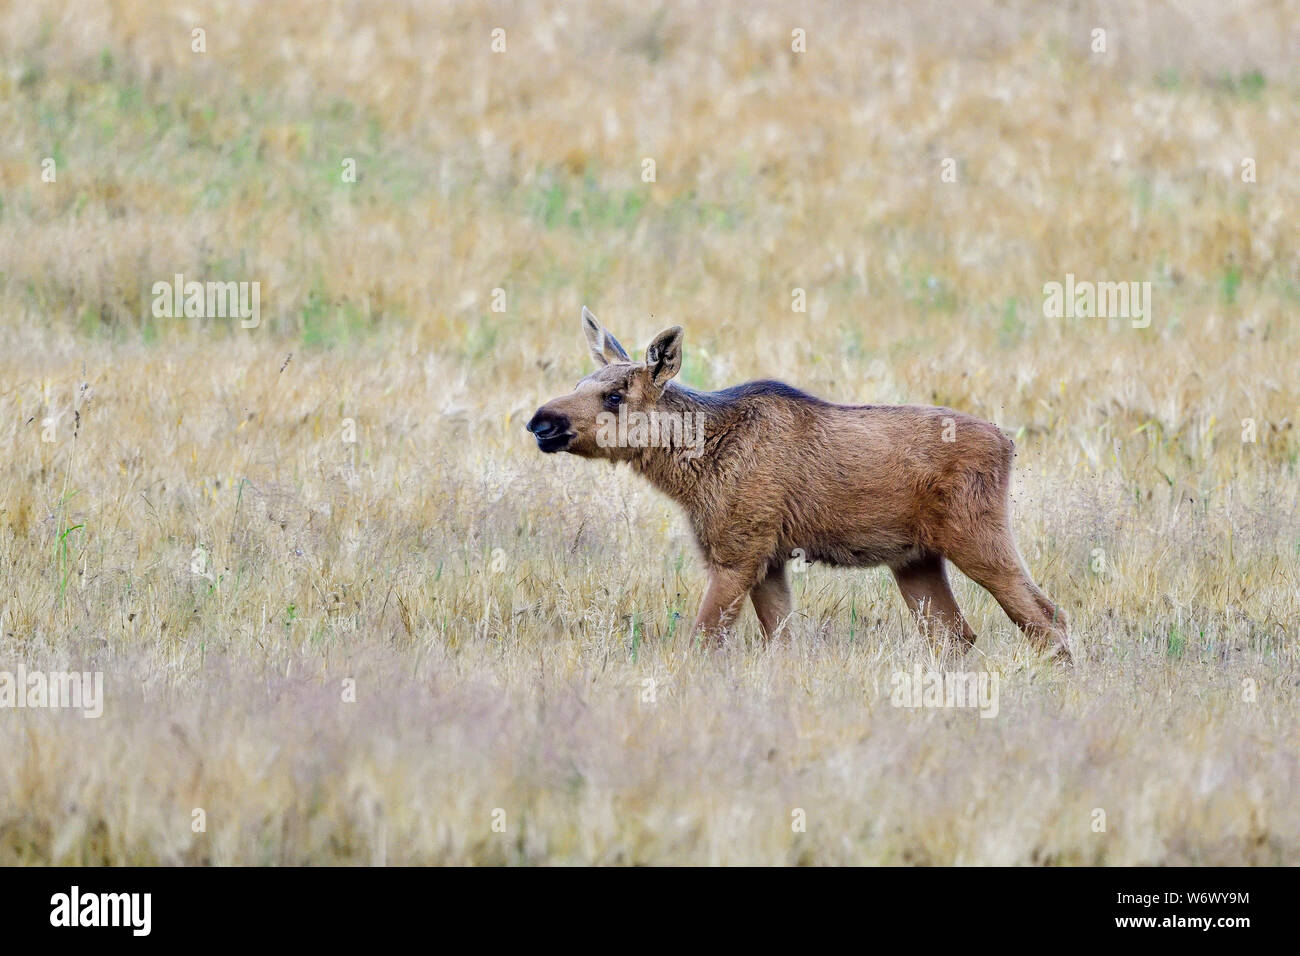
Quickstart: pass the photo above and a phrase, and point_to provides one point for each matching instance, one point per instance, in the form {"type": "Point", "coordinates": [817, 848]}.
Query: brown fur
{"type": "Point", "coordinates": [848, 485]}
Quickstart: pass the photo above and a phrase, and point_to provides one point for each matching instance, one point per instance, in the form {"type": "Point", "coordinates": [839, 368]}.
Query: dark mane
{"type": "Point", "coordinates": [763, 388]}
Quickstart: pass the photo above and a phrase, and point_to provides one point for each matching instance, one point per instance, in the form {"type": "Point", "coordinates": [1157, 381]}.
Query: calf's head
{"type": "Point", "coordinates": [579, 422]}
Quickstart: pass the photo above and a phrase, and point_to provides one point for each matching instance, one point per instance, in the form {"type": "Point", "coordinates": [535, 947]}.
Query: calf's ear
{"type": "Point", "coordinates": [604, 347]}
{"type": "Point", "coordinates": [663, 356]}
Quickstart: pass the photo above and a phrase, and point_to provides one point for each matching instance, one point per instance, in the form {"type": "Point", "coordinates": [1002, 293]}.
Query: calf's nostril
{"type": "Point", "coordinates": [546, 426]}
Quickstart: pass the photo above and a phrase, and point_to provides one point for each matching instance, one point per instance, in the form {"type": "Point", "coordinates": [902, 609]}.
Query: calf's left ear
{"type": "Point", "coordinates": [663, 356]}
{"type": "Point", "coordinates": [604, 347]}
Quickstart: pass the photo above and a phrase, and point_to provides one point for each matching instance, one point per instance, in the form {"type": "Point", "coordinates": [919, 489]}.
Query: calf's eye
{"type": "Point", "coordinates": [613, 399]}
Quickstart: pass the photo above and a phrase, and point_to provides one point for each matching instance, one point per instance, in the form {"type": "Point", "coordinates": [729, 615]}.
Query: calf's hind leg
{"type": "Point", "coordinates": [924, 583]}
{"type": "Point", "coordinates": [996, 566]}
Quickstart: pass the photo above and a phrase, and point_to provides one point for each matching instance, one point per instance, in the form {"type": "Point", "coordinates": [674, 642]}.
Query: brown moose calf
{"type": "Point", "coordinates": [764, 470]}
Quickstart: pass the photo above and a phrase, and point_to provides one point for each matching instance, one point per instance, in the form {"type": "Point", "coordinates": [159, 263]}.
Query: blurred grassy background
{"type": "Point", "coordinates": [501, 611]}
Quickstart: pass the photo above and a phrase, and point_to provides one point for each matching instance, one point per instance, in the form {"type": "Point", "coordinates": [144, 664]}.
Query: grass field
{"type": "Point", "coordinates": [345, 609]}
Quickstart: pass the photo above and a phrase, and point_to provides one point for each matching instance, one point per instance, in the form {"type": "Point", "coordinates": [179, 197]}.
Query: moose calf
{"type": "Point", "coordinates": [764, 470]}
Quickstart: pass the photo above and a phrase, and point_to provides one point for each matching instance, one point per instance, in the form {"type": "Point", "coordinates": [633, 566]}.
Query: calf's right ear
{"type": "Point", "coordinates": [604, 347]}
{"type": "Point", "coordinates": [663, 356]}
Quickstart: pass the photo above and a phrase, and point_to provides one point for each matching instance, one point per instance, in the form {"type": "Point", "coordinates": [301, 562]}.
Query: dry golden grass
{"type": "Point", "coordinates": [502, 612]}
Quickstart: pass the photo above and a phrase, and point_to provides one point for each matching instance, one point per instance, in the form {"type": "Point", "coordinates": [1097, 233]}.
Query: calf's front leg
{"type": "Point", "coordinates": [723, 599]}
{"type": "Point", "coordinates": [771, 597]}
